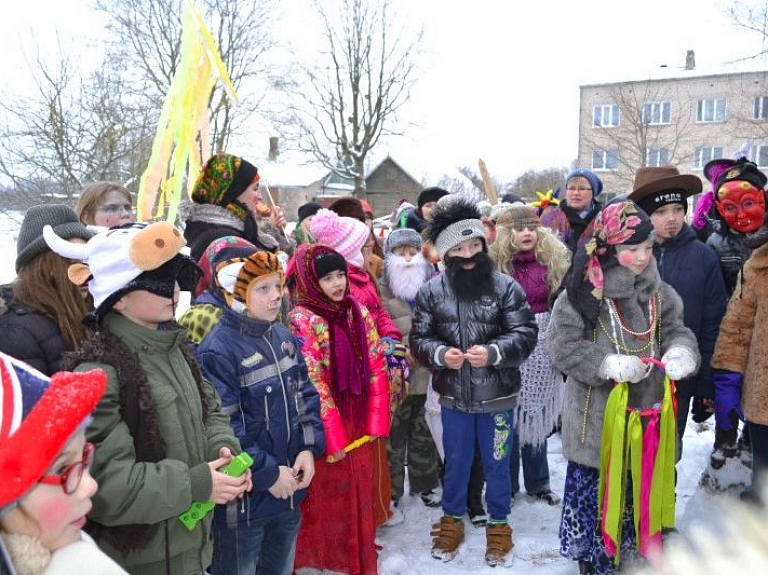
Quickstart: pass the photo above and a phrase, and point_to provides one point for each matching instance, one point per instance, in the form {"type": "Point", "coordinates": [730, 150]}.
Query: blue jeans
{"type": "Point", "coordinates": [492, 433]}
{"type": "Point", "coordinates": [266, 546]}
{"type": "Point", "coordinates": [535, 466]}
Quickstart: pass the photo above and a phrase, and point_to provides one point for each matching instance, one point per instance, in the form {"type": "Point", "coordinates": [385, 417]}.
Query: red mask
{"type": "Point", "coordinates": [741, 205]}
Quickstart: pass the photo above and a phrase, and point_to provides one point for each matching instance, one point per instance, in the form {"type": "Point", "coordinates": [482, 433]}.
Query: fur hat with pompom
{"type": "Point", "coordinates": [454, 220]}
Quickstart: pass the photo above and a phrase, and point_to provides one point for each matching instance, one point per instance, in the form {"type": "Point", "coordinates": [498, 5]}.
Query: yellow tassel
{"type": "Point", "coordinates": [182, 129]}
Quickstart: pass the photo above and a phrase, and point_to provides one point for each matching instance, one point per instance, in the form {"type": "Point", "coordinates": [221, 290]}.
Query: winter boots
{"type": "Point", "coordinates": [498, 543]}
{"type": "Point", "coordinates": [446, 537]}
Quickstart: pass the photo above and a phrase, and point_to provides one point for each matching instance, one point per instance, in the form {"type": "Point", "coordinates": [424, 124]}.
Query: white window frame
{"type": "Point", "coordinates": [711, 110]}
{"type": "Point", "coordinates": [657, 157]}
{"type": "Point", "coordinates": [606, 116]}
{"type": "Point", "coordinates": [607, 160]}
{"type": "Point", "coordinates": [760, 108]}
{"type": "Point", "coordinates": [761, 154]}
{"type": "Point", "coordinates": [704, 154]}
{"type": "Point", "coordinates": [657, 113]}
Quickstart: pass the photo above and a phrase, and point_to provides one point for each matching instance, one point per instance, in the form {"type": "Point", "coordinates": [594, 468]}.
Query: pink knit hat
{"type": "Point", "coordinates": [345, 235]}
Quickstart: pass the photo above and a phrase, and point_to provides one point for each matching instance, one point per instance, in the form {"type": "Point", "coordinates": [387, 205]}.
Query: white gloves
{"type": "Point", "coordinates": [679, 363]}
{"type": "Point", "coordinates": [622, 368]}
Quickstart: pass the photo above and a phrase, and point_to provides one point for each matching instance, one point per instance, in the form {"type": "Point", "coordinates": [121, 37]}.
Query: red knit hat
{"type": "Point", "coordinates": [38, 416]}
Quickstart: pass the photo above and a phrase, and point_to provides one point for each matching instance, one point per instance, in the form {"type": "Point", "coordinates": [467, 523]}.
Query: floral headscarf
{"type": "Point", "coordinates": [349, 364]}
{"type": "Point", "coordinates": [618, 223]}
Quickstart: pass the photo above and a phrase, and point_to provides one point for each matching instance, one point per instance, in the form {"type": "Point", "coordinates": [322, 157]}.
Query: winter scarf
{"type": "Point", "coordinates": [350, 370]}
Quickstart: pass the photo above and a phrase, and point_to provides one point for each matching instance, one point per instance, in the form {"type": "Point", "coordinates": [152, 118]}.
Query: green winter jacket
{"type": "Point", "coordinates": [131, 491]}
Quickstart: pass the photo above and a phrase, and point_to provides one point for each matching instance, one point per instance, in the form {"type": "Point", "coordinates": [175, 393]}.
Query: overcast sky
{"type": "Point", "coordinates": [499, 79]}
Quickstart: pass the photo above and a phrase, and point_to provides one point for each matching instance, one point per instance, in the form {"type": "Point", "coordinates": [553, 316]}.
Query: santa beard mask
{"type": "Point", "coordinates": [469, 284]}
{"type": "Point", "coordinates": [406, 277]}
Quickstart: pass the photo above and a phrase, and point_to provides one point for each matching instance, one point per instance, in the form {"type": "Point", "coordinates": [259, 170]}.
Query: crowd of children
{"type": "Point", "coordinates": [271, 429]}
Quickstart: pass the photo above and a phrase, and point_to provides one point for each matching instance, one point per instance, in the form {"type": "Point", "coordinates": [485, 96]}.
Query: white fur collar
{"type": "Point", "coordinates": [192, 212]}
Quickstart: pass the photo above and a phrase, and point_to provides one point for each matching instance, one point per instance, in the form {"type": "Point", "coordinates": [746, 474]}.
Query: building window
{"type": "Point", "coordinates": [760, 111]}
{"type": "Point", "coordinates": [657, 158]}
{"type": "Point", "coordinates": [707, 153]}
{"type": "Point", "coordinates": [657, 113]}
{"type": "Point", "coordinates": [605, 116]}
{"type": "Point", "coordinates": [605, 159]}
{"type": "Point", "coordinates": [761, 155]}
{"type": "Point", "coordinates": [711, 110]}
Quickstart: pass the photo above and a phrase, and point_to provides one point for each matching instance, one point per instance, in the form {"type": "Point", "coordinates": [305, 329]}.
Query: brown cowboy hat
{"type": "Point", "coordinates": [649, 180]}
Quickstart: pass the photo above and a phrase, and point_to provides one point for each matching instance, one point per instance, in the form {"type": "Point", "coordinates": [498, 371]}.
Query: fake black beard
{"type": "Point", "coordinates": [470, 284]}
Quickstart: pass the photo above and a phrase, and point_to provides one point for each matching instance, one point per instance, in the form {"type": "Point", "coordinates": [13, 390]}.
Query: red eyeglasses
{"type": "Point", "coordinates": [73, 474]}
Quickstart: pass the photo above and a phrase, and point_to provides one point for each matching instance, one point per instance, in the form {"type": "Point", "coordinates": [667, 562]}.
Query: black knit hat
{"type": "Point", "coordinates": [308, 209]}
{"type": "Point", "coordinates": [327, 262]}
{"type": "Point", "coordinates": [430, 195]}
{"type": "Point", "coordinates": [61, 218]}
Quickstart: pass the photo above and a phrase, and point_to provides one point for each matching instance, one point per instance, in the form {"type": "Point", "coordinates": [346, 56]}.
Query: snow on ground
{"type": "Point", "coordinates": [406, 547]}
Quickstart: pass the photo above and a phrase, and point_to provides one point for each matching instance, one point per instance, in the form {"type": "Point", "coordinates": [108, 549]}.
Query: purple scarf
{"type": "Point", "coordinates": [349, 364]}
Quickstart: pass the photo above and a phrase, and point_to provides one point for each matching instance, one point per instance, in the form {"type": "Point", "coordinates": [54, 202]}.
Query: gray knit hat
{"type": "Point", "coordinates": [61, 218]}
{"type": "Point", "coordinates": [402, 237]}
{"type": "Point", "coordinates": [454, 220]}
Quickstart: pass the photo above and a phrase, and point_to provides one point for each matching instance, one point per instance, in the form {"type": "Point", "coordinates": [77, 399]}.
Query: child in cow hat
{"type": "Point", "coordinates": [161, 436]}
{"type": "Point", "coordinates": [45, 465]}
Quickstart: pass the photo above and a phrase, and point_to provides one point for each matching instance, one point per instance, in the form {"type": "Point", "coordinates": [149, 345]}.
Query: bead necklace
{"type": "Point", "coordinates": [616, 336]}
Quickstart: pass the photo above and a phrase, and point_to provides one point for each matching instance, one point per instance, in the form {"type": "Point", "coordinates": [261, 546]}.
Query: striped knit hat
{"type": "Point", "coordinates": [345, 235]}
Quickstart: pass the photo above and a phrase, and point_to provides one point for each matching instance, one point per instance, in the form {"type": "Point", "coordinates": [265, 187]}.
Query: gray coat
{"type": "Point", "coordinates": [502, 322]}
{"type": "Point", "coordinates": [578, 352]}
{"type": "Point", "coordinates": [401, 313]}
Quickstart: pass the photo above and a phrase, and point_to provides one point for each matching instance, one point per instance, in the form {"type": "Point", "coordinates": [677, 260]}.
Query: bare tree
{"type": "Point", "coordinates": [146, 35]}
{"type": "Point", "coordinates": [346, 105]}
{"type": "Point", "coordinates": [69, 131]}
{"type": "Point", "coordinates": [752, 17]}
{"type": "Point", "coordinates": [645, 133]}
{"type": "Point", "coordinates": [528, 183]}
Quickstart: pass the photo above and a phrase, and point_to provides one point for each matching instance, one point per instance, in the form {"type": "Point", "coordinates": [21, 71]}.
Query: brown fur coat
{"type": "Point", "coordinates": [742, 344]}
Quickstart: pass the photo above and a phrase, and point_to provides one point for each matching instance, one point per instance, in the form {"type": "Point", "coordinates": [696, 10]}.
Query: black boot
{"type": "Point", "coordinates": [585, 567]}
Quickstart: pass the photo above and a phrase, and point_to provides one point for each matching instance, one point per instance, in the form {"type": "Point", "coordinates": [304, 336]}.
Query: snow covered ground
{"type": "Point", "coordinates": [406, 547]}
{"type": "Point", "coordinates": [535, 525]}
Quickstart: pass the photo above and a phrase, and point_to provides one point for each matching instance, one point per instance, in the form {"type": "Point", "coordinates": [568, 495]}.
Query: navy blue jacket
{"type": "Point", "coordinates": [693, 270]}
{"type": "Point", "coordinates": [259, 371]}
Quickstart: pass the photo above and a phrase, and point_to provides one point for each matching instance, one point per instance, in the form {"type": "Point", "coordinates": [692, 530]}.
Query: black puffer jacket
{"type": "Point", "coordinates": [28, 335]}
{"type": "Point", "coordinates": [732, 253]}
{"type": "Point", "coordinates": [503, 322]}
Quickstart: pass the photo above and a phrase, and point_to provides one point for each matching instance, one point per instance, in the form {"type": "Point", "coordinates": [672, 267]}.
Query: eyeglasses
{"type": "Point", "coordinates": [579, 188]}
{"type": "Point", "coordinates": [73, 474]}
{"type": "Point", "coordinates": [115, 208]}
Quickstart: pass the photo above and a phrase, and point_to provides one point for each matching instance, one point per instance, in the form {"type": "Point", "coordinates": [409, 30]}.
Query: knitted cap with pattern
{"type": "Point", "coordinates": [223, 178]}
{"type": "Point", "coordinates": [61, 218]}
{"type": "Point", "coordinates": [345, 235]}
